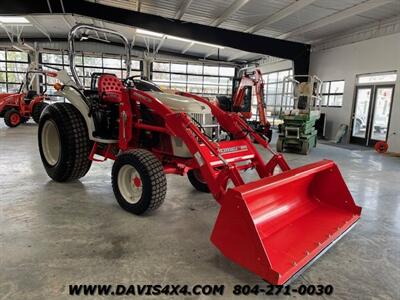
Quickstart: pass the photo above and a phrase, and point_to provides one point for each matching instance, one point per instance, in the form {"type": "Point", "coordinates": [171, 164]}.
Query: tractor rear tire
{"type": "Point", "coordinates": [64, 143]}
{"type": "Point", "coordinates": [12, 118]}
{"type": "Point", "coordinates": [197, 181]}
{"type": "Point", "coordinates": [138, 180]}
{"type": "Point", "coordinates": [37, 111]}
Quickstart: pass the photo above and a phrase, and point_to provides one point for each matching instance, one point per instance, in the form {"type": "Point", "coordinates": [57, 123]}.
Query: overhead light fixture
{"type": "Point", "coordinates": [13, 20]}
{"type": "Point", "coordinates": [176, 38]}
{"type": "Point", "coordinates": [150, 33]}
{"type": "Point", "coordinates": [210, 45]}
{"type": "Point", "coordinates": [99, 39]}
{"type": "Point", "coordinates": [171, 37]}
{"type": "Point", "coordinates": [84, 37]}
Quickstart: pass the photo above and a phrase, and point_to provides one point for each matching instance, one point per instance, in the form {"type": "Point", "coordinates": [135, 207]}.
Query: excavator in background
{"type": "Point", "coordinates": [242, 99]}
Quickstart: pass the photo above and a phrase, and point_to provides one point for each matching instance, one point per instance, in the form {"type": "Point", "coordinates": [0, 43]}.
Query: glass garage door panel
{"type": "Point", "coordinates": [363, 101]}
{"type": "Point", "coordinates": [383, 101]}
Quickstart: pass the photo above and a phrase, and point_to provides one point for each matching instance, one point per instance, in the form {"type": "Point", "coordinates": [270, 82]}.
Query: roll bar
{"type": "Point", "coordinates": [71, 43]}
{"type": "Point", "coordinates": [26, 81]}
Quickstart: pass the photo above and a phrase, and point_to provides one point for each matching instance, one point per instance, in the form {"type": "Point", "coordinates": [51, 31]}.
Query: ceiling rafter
{"type": "Point", "coordinates": [283, 13]}
{"type": "Point", "coordinates": [160, 43]}
{"type": "Point", "coordinates": [67, 22]}
{"type": "Point", "coordinates": [235, 6]}
{"type": "Point", "coordinates": [236, 56]}
{"type": "Point", "coordinates": [13, 31]}
{"type": "Point", "coordinates": [133, 38]}
{"type": "Point", "coordinates": [183, 8]}
{"type": "Point", "coordinates": [39, 27]}
{"type": "Point", "coordinates": [186, 49]}
{"type": "Point", "coordinates": [211, 52]}
{"type": "Point", "coordinates": [336, 17]}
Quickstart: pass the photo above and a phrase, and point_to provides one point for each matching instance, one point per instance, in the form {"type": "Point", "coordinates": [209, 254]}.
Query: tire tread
{"type": "Point", "coordinates": [77, 146]}
{"type": "Point", "coordinates": [153, 170]}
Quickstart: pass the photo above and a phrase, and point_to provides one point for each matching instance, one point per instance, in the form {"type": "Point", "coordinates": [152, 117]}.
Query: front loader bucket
{"type": "Point", "coordinates": [278, 225]}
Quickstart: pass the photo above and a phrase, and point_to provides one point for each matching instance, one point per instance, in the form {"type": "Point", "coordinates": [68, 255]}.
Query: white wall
{"type": "Point", "coordinates": [345, 62]}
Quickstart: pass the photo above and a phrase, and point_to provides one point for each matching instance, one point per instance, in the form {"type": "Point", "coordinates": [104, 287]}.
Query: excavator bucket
{"type": "Point", "coordinates": [277, 226]}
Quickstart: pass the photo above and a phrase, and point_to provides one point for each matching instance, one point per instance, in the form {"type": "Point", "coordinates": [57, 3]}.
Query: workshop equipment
{"type": "Point", "coordinates": [298, 133]}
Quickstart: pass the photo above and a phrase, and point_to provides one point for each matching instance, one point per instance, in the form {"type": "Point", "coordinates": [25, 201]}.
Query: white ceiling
{"type": "Point", "coordinates": [298, 20]}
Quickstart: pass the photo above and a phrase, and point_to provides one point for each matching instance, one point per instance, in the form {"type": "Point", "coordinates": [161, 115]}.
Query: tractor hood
{"type": "Point", "coordinates": [181, 104]}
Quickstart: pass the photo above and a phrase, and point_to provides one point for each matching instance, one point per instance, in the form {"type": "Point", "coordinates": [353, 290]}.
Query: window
{"type": "Point", "coordinates": [13, 66]}
{"type": "Point", "coordinates": [202, 79]}
{"type": "Point", "coordinates": [332, 93]}
{"type": "Point", "coordinates": [276, 99]}
{"type": "Point", "coordinates": [87, 64]}
{"type": "Point", "coordinates": [377, 78]}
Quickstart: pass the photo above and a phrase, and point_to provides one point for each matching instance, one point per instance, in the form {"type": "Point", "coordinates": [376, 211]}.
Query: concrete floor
{"type": "Point", "coordinates": [53, 235]}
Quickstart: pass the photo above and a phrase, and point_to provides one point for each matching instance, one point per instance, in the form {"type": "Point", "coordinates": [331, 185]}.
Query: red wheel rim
{"type": "Point", "coordinates": [15, 119]}
{"type": "Point", "coordinates": [381, 147]}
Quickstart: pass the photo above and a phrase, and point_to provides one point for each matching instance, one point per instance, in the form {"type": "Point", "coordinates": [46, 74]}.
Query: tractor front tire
{"type": "Point", "coordinates": [64, 143]}
{"type": "Point", "coordinates": [12, 118]}
{"type": "Point", "coordinates": [138, 180]}
{"type": "Point", "coordinates": [37, 111]}
{"type": "Point", "coordinates": [197, 181]}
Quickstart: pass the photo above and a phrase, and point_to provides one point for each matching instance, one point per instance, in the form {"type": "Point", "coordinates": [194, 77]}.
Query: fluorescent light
{"type": "Point", "coordinates": [210, 45]}
{"type": "Point", "coordinates": [13, 20]}
{"type": "Point", "coordinates": [171, 37]}
{"type": "Point", "coordinates": [147, 32]}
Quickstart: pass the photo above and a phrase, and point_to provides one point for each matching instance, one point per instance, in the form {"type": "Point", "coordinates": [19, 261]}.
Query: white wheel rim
{"type": "Point", "coordinates": [51, 145]}
{"type": "Point", "coordinates": [130, 184]}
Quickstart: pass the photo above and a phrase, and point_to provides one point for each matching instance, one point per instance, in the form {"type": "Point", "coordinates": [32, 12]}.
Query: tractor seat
{"type": "Point", "coordinates": [110, 88]}
{"type": "Point", "coordinates": [29, 96]}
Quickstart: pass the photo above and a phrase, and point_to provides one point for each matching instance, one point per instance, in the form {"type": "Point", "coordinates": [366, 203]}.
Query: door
{"type": "Point", "coordinates": [381, 114]}
{"type": "Point", "coordinates": [371, 114]}
{"type": "Point", "coordinates": [359, 132]}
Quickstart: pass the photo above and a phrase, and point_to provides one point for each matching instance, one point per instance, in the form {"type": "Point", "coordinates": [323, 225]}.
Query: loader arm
{"type": "Point", "coordinates": [218, 162]}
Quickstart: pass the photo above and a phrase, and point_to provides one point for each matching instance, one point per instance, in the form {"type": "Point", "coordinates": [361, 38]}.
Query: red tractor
{"type": "Point", "coordinates": [17, 108]}
{"type": "Point", "coordinates": [274, 226]}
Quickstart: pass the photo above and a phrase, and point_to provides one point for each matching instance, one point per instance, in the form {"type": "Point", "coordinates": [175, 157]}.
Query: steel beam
{"type": "Point", "coordinates": [298, 52]}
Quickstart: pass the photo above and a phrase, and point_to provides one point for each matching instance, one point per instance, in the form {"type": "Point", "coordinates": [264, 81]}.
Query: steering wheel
{"type": "Point", "coordinates": [128, 82]}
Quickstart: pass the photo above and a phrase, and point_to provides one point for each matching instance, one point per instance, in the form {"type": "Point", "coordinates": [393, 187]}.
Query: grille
{"type": "Point", "coordinates": [211, 128]}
